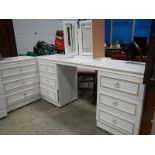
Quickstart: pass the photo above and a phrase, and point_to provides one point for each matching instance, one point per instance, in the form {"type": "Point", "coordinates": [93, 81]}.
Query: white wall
{"type": "Point", "coordinates": [29, 31]}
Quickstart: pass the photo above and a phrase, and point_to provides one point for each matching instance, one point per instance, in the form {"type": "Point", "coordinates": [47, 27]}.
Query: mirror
{"type": "Point", "coordinates": [70, 36]}
{"type": "Point", "coordinates": [86, 37]}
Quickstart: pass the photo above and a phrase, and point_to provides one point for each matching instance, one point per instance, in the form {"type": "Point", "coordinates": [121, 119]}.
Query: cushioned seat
{"type": "Point", "coordinates": [86, 75]}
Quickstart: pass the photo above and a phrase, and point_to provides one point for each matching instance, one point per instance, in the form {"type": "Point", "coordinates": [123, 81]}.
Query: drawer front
{"type": "Point", "coordinates": [48, 82]}
{"type": "Point", "coordinates": [119, 85]}
{"type": "Point", "coordinates": [18, 70]}
{"type": "Point", "coordinates": [46, 63]}
{"type": "Point", "coordinates": [11, 99]}
{"type": "Point", "coordinates": [47, 75]}
{"type": "Point", "coordinates": [19, 77]}
{"type": "Point", "coordinates": [48, 69]}
{"type": "Point", "coordinates": [19, 83]}
{"type": "Point", "coordinates": [22, 88]}
{"type": "Point", "coordinates": [2, 102]}
{"type": "Point", "coordinates": [117, 103]}
{"type": "Point", "coordinates": [18, 64]}
{"type": "Point", "coordinates": [49, 93]}
{"type": "Point", "coordinates": [115, 122]}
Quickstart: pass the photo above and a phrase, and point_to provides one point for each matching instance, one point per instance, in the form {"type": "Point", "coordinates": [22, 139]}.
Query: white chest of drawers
{"type": "Point", "coordinates": [20, 79]}
{"type": "Point", "coordinates": [120, 100]}
{"type": "Point", "coordinates": [58, 83]}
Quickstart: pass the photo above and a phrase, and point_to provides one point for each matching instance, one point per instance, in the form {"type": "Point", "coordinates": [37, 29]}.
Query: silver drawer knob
{"type": "Point", "coordinates": [114, 121]}
{"type": "Point", "coordinates": [117, 85]}
{"type": "Point", "coordinates": [115, 104]}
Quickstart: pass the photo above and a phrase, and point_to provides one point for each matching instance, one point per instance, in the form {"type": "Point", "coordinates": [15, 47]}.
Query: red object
{"type": "Point", "coordinates": [59, 41]}
{"type": "Point", "coordinates": [120, 56]}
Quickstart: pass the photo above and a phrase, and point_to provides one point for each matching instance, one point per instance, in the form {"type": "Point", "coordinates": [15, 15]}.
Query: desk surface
{"type": "Point", "coordinates": [98, 64]}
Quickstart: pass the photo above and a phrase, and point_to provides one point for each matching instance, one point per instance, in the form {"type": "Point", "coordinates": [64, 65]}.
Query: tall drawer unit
{"type": "Point", "coordinates": [58, 83]}
{"type": "Point", "coordinates": [119, 101]}
{"type": "Point", "coordinates": [19, 76]}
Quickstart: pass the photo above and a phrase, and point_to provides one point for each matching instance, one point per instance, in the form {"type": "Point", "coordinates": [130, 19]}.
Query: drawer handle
{"type": "Point", "coordinates": [114, 121]}
{"type": "Point", "coordinates": [25, 94]}
{"type": "Point", "coordinates": [117, 85]}
{"type": "Point", "coordinates": [115, 104]}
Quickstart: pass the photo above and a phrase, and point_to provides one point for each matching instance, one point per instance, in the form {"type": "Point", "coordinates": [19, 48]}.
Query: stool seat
{"type": "Point", "coordinates": [85, 70]}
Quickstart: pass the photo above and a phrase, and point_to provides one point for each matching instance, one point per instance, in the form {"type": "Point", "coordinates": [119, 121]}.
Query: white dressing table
{"type": "Point", "coordinates": [120, 91]}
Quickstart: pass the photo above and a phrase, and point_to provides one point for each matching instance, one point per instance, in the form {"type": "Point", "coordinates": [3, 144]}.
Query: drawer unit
{"type": "Point", "coordinates": [19, 83]}
{"type": "Point", "coordinates": [117, 123]}
{"type": "Point", "coordinates": [13, 98]}
{"type": "Point", "coordinates": [18, 70]}
{"type": "Point", "coordinates": [49, 93]}
{"type": "Point", "coordinates": [48, 82]}
{"type": "Point", "coordinates": [117, 103]}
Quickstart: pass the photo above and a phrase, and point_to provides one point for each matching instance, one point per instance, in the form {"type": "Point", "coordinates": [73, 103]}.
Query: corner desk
{"type": "Point", "coordinates": [120, 89]}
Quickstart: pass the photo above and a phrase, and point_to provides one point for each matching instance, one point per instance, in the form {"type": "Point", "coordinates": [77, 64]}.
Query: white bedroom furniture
{"type": "Point", "coordinates": [120, 91]}
{"type": "Point", "coordinates": [20, 79]}
{"type": "Point", "coordinates": [58, 83]}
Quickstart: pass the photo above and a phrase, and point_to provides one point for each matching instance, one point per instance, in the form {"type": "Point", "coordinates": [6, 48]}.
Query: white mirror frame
{"type": "Point", "coordinates": [81, 50]}
{"type": "Point", "coordinates": [68, 49]}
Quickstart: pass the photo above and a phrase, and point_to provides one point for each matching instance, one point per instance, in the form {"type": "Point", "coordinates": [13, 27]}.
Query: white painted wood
{"type": "Point", "coordinates": [49, 93]}
{"type": "Point", "coordinates": [1, 86]}
{"type": "Point", "coordinates": [58, 85]}
{"type": "Point", "coordinates": [117, 103]}
{"type": "Point", "coordinates": [119, 85]}
{"type": "Point", "coordinates": [85, 38]}
{"type": "Point", "coordinates": [13, 98]}
{"type": "Point", "coordinates": [116, 122]}
{"type": "Point", "coordinates": [48, 82]}
{"type": "Point", "coordinates": [19, 83]}
{"type": "Point", "coordinates": [23, 102]}
{"type": "Point", "coordinates": [29, 31]}
{"type": "Point", "coordinates": [2, 102]}
{"type": "Point", "coordinates": [70, 29]}
{"type": "Point", "coordinates": [67, 81]}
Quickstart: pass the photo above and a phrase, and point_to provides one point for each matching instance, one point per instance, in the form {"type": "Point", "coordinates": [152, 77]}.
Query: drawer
{"type": "Point", "coordinates": [48, 82]}
{"type": "Point", "coordinates": [19, 83]}
{"type": "Point", "coordinates": [19, 76]}
{"type": "Point", "coordinates": [47, 75]}
{"type": "Point", "coordinates": [11, 99]}
{"type": "Point", "coordinates": [22, 88]}
{"type": "Point", "coordinates": [46, 63]}
{"type": "Point", "coordinates": [115, 122]}
{"type": "Point", "coordinates": [117, 103]}
{"type": "Point", "coordinates": [119, 85]}
{"type": "Point", "coordinates": [2, 102]}
{"type": "Point", "coordinates": [19, 70]}
{"type": "Point", "coordinates": [48, 69]}
{"type": "Point", "coordinates": [18, 64]}
{"type": "Point", "coordinates": [49, 93]}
